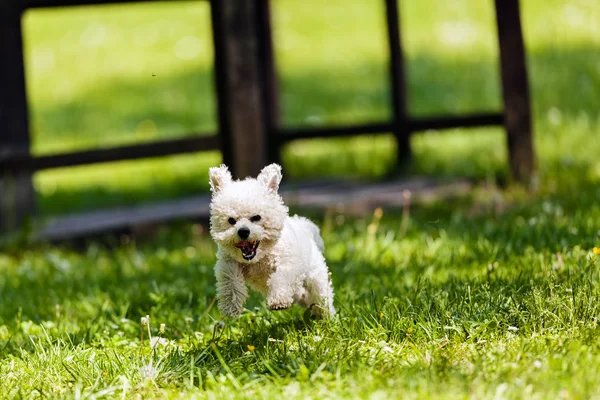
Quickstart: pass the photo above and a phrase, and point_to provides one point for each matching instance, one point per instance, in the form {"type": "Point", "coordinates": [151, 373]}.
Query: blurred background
{"type": "Point", "coordinates": [100, 76]}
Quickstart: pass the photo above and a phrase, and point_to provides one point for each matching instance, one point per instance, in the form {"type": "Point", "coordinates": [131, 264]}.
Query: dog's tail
{"type": "Point", "coordinates": [314, 230]}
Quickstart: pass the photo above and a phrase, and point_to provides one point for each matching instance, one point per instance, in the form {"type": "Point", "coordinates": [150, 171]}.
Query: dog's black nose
{"type": "Point", "coordinates": [244, 232]}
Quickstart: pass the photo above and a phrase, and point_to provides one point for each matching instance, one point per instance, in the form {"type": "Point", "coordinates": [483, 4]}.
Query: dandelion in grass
{"type": "Point", "coordinates": [148, 371]}
{"type": "Point", "coordinates": [250, 347]}
{"type": "Point", "coordinates": [378, 213]}
{"type": "Point", "coordinates": [596, 251]}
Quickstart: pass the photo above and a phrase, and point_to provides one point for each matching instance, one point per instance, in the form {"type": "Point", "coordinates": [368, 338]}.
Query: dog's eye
{"type": "Point", "coordinates": [231, 221]}
{"type": "Point", "coordinates": [256, 218]}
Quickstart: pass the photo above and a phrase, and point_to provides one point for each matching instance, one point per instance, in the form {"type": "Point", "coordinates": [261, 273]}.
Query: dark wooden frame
{"type": "Point", "coordinates": [250, 133]}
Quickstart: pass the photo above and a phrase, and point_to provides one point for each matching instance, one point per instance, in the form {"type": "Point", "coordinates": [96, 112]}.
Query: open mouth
{"type": "Point", "coordinates": [248, 249]}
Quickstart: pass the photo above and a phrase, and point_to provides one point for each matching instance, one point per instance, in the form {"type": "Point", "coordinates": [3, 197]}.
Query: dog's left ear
{"type": "Point", "coordinates": [219, 177]}
{"type": "Point", "coordinates": [270, 176]}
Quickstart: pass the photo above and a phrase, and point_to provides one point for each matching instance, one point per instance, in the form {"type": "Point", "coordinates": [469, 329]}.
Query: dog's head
{"type": "Point", "coordinates": [246, 217]}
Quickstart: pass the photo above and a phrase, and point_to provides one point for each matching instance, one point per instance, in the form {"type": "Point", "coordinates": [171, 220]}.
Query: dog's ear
{"type": "Point", "coordinates": [219, 177]}
{"type": "Point", "coordinates": [270, 176]}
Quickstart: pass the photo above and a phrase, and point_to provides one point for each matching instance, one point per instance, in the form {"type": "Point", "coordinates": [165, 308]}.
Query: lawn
{"type": "Point", "coordinates": [494, 295]}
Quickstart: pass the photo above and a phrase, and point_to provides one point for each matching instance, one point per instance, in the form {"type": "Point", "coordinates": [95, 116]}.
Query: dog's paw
{"type": "Point", "coordinates": [279, 306]}
{"type": "Point", "coordinates": [230, 310]}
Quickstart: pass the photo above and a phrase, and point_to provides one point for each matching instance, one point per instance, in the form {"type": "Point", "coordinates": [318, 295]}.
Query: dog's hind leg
{"type": "Point", "coordinates": [320, 292]}
{"type": "Point", "coordinates": [301, 297]}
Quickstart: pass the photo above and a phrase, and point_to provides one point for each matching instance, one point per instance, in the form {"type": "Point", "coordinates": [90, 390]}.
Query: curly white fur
{"type": "Point", "coordinates": [288, 266]}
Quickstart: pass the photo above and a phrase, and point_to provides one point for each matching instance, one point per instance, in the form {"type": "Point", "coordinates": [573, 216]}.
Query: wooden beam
{"type": "Point", "coordinates": [24, 161]}
{"type": "Point", "coordinates": [17, 198]}
{"type": "Point", "coordinates": [515, 90]}
{"type": "Point", "coordinates": [290, 134]}
{"type": "Point", "coordinates": [357, 198]}
{"type": "Point", "coordinates": [458, 121]}
{"type": "Point", "coordinates": [414, 125]}
{"type": "Point", "coordinates": [237, 75]}
{"type": "Point", "coordinates": [398, 85]}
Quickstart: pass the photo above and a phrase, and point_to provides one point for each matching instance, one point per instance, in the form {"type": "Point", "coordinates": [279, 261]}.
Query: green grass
{"type": "Point", "coordinates": [494, 295]}
{"type": "Point", "coordinates": [466, 301]}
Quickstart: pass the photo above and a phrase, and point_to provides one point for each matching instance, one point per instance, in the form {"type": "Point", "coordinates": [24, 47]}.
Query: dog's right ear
{"type": "Point", "coordinates": [270, 176]}
{"type": "Point", "coordinates": [219, 177]}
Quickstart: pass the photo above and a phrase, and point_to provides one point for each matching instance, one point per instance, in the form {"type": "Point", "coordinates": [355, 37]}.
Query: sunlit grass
{"type": "Point", "coordinates": [466, 300]}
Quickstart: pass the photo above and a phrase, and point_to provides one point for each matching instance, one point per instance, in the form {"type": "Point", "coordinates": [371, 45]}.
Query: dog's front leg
{"type": "Point", "coordinates": [231, 288]}
{"type": "Point", "coordinates": [281, 293]}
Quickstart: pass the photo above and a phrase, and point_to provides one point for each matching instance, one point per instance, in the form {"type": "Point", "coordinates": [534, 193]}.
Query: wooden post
{"type": "Point", "coordinates": [398, 86]}
{"type": "Point", "coordinates": [241, 125]}
{"type": "Point", "coordinates": [17, 199]}
{"type": "Point", "coordinates": [270, 83]}
{"type": "Point", "coordinates": [515, 90]}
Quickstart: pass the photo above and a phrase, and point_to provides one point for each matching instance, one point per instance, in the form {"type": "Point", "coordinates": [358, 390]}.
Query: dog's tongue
{"type": "Point", "coordinates": [245, 245]}
{"type": "Point", "coordinates": [248, 248]}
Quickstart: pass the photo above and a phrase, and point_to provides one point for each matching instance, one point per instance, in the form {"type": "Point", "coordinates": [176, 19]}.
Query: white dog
{"type": "Point", "coordinates": [259, 244]}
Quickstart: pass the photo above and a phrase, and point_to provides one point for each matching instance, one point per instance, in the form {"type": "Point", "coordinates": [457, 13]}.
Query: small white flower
{"type": "Point", "coordinates": [513, 328]}
{"type": "Point", "coordinates": [144, 320]}
{"type": "Point", "coordinates": [275, 340]}
{"type": "Point", "coordinates": [537, 364]}
{"type": "Point", "coordinates": [162, 329]}
{"type": "Point", "coordinates": [428, 357]}
{"type": "Point", "coordinates": [158, 341]}
{"type": "Point", "coordinates": [317, 338]}
{"type": "Point", "coordinates": [149, 372]}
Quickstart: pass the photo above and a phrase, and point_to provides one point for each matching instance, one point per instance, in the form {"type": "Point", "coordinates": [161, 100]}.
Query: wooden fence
{"type": "Point", "coordinates": [247, 101]}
